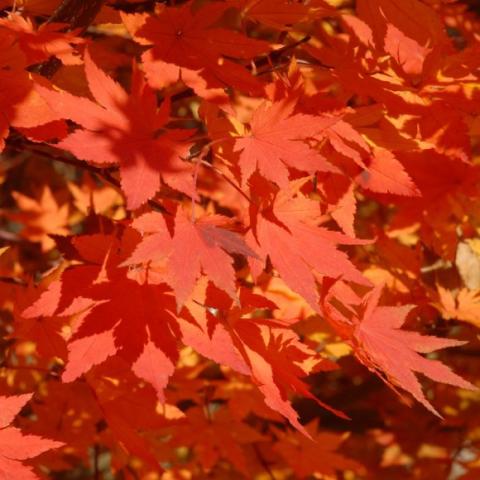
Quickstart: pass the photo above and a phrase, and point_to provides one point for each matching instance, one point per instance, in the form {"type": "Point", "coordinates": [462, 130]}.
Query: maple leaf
{"type": "Point", "coordinates": [14, 446]}
{"type": "Point", "coordinates": [195, 246]}
{"type": "Point", "coordinates": [124, 129]}
{"type": "Point", "coordinates": [281, 14]}
{"type": "Point", "coordinates": [117, 400]}
{"type": "Point", "coordinates": [464, 306]}
{"type": "Point", "coordinates": [89, 197]}
{"type": "Point", "coordinates": [45, 333]}
{"type": "Point", "coordinates": [275, 356]}
{"type": "Point", "coordinates": [244, 400]}
{"type": "Point", "coordinates": [392, 353]}
{"type": "Point", "coordinates": [298, 248]}
{"type": "Point", "coordinates": [40, 44]}
{"type": "Point", "coordinates": [344, 209]}
{"type": "Point", "coordinates": [207, 335]}
{"type": "Point", "coordinates": [381, 171]}
{"type": "Point", "coordinates": [41, 218]}
{"type": "Point", "coordinates": [118, 315]}
{"type": "Point", "coordinates": [62, 415]}
{"type": "Point", "coordinates": [156, 242]}
{"type": "Point", "coordinates": [264, 348]}
{"type": "Point", "coordinates": [133, 321]}
{"type": "Point", "coordinates": [162, 75]}
{"type": "Point", "coordinates": [23, 108]}
{"type": "Point", "coordinates": [214, 435]}
{"type": "Point", "coordinates": [385, 174]}
{"type": "Point", "coordinates": [319, 456]}
{"type": "Point", "coordinates": [64, 292]}
{"type": "Point", "coordinates": [344, 138]}
{"type": "Point", "coordinates": [405, 30]}
{"type": "Point", "coordinates": [275, 142]}
{"type": "Point", "coordinates": [175, 34]}
{"type": "Point", "coordinates": [204, 244]}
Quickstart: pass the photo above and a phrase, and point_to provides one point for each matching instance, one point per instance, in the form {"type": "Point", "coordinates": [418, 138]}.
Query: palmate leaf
{"type": "Point", "coordinates": [15, 446]}
{"type": "Point", "coordinates": [276, 140]}
{"type": "Point", "coordinates": [394, 354]}
{"type": "Point", "coordinates": [125, 130]}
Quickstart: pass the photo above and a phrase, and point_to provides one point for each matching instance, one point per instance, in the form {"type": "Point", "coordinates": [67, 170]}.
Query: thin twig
{"type": "Point", "coordinates": [264, 463]}
{"type": "Point", "coordinates": [104, 173]}
{"type": "Point", "coordinates": [29, 367]}
{"type": "Point", "coordinates": [96, 470]}
{"type": "Point", "coordinates": [13, 280]}
{"type": "Point", "coordinates": [231, 182]}
{"type": "Point", "coordinates": [271, 57]}
{"type": "Point", "coordinates": [9, 236]}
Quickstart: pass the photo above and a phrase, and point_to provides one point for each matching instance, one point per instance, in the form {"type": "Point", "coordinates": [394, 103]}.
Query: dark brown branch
{"type": "Point", "coordinates": [96, 455]}
{"type": "Point", "coordinates": [137, 7]}
{"type": "Point", "coordinates": [275, 55]}
{"type": "Point", "coordinates": [104, 173]}
{"type": "Point", "coordinates": [472, 352]}
{"type": "Point", "coordinates": [13, 280]}
{"type": "Point", "coordinates": [76, 13]}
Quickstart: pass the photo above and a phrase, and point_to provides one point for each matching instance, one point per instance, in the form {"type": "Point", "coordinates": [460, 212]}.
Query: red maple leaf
{"type": "Point", "coordinates": [382, 346]}
{"type": "Point", "coordinates": [127, 130]}
{"type": "Point", "coordinates": [404, 30]}
{"type": "Point", "coordinates": [265, 348]}
{"type": "Point", "coordinates": [136, 322]}
{"type": "Point", "coordinates": [385, 174]}
{"type": "Point", "coordinates": [196, 246]}
{"type": "Point", "coordinates": [276, 141]}
{"type": "Point", "coordinates": [40, 44]}
{"type": "Point", "coordinates": [119, 315]}
{"type": "Point", "coordinates": [16, 447]}
{"type": "Point", "coordinates": [20, 105]}
{"type": "Point", "coordinates": [186, 39]}
{"type": "Point", "coordinates": [216, 435]}
{"type": "Point", "coordinates": [320, 455]}
{"type": "Point", "coordinates": [279, 14]}
{"type": "Point", "coordinates": [300, 250]}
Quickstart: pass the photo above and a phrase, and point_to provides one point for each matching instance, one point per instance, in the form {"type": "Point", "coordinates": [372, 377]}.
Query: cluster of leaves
{"type": "Point", "coordinates": [227, 227]}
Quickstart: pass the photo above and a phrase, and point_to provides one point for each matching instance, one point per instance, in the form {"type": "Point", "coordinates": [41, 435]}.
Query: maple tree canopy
{"type": "Point", "coordinates": [239, 239]}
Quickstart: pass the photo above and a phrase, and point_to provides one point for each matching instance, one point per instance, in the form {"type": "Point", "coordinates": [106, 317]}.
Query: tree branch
{"type": "Point", "coordinates": [104, 173]}
{"type": "Point", "coordinates": [13, 280]}
{"type": "Point", "coordinates": [77, 13]}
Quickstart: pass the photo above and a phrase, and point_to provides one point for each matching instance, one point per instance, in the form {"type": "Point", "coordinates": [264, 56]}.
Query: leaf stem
{"type": "Point", "coordinates": [231, 182]}
{"type": "Point", "coordinates": [263, 462]}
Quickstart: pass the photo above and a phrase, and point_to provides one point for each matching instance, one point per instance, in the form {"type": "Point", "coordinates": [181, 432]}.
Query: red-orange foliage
{"type": "Point", "coordinates": [215, 215]}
